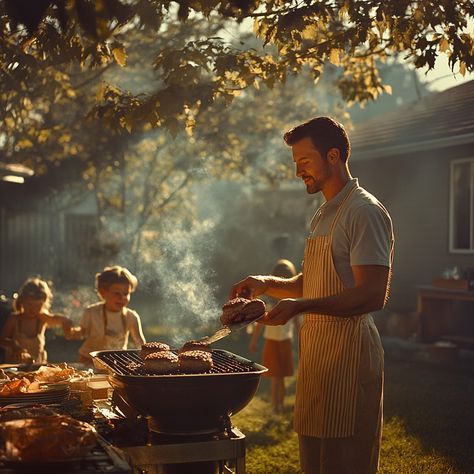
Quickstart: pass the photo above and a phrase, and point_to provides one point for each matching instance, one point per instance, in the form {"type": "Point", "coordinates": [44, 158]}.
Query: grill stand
{"type": "Point", "coordinates": [222, 452]}
{"type": "Point", "coordinates": [157, 458]}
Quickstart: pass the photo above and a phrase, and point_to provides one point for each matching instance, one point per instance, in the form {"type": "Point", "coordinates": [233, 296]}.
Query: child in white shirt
{"type": "Point", "coordinates": [108, 324]}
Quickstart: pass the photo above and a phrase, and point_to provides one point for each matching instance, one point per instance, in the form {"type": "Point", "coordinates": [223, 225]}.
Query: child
{"type": "Point", "coordinates": [107, 324]}
{"type": "Point", "coordinates": [23, 333]}
{"type": "Point", "coordinates": [277, 348]}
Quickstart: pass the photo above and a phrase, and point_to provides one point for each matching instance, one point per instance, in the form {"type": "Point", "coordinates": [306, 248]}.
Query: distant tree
{"type": "Point", "coordinates": [101, 88]}
{"type": "Point", "coordinates": [350, 34]}
{"type": "Point", "coordinates": [139, 175]}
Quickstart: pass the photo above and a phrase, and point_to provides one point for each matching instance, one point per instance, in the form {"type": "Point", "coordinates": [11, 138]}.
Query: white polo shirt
{"type": "Point", "coordinates": [363, 234]}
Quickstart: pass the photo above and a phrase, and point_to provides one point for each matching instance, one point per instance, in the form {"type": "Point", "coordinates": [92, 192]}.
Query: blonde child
{"type": "Point", "coordinates": [108, 324]}
{"type": "Point", "coordinates": [277, 348]}
{"type": "Point", "coordinates": [23, 334]}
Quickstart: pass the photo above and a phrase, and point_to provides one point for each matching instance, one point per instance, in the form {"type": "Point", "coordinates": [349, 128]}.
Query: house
{"type": "Point", "coordinates": [419, 161]}
{"type": "Point", "coordinates": [42, 233]}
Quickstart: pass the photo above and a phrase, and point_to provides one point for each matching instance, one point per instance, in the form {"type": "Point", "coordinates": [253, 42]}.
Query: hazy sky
{"type": "Point", "coordinates": [441, 77]}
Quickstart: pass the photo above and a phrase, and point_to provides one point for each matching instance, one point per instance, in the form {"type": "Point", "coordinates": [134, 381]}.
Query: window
{"type": "Point", "coordinates": [461, 209]}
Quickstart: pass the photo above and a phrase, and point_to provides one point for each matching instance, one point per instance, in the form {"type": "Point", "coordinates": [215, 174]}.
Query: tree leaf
{"type": "Point", "coordinates": [335, 57]}
{"type": "Point", "coordinates": [120, 55]}
{"type": "Point", "coordinates": [444, 45]}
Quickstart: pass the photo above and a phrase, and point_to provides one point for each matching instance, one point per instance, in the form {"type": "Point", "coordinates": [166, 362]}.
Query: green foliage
{"type": "Point", "coordinates": [203, 68]}
{"type": "Point", "coordinates": [139, 100]}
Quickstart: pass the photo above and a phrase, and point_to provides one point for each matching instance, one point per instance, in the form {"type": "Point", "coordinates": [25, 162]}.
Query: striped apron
{"type": "Point", "coordinates": [330, 348]}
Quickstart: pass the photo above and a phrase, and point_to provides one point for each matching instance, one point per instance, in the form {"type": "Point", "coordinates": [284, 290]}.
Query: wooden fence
{"type": "Point", "coordinates": [53, 246]}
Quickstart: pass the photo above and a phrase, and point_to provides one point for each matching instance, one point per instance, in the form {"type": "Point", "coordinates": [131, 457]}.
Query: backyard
{"type": "Point", "coordinates": [428, 412]}
{"type": "Point", "coordinates": [429, 423]}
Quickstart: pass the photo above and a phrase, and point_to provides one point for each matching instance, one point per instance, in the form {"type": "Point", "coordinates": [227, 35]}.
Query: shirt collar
{"type": "Point", "coordinates": [339, 197]}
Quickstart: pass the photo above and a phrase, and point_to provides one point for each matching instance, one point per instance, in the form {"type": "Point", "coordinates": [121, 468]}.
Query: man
{"type": "Point", "coordinates": [346, 275]}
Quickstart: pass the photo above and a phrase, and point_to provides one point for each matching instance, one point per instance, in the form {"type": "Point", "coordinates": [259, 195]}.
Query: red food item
{"type": "Point", "coordinates": [163, 362]}
{"type": "Point", "coordinates": [195, 345]}
{"type": "Point", "coordinates": [151, 347]}
{"type": "Point", "coordinates": [195, 361]}
{"type": "Point", "coordinates": [239, 310]}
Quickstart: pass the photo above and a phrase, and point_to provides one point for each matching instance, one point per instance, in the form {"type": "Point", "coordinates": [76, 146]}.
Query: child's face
{"type": "Point", "coordinates": [32, 306]}
{"type": "Point", "coordinates": [116, 296]}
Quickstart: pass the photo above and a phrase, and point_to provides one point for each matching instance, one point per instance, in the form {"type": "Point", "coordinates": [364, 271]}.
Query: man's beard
{"type": "Point", "coordinates": [313, 186]}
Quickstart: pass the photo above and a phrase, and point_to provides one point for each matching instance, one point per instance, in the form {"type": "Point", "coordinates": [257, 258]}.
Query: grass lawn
{"type": "Point", "coordinates": [429, 424]}
{"type": "Point", "coordinates": [428, 411]}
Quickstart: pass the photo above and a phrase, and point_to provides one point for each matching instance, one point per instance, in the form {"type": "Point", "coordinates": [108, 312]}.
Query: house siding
{"type": "Point", "coordinates": [415, 189]}
{"type": "Point", "coordinates": [53, 246]}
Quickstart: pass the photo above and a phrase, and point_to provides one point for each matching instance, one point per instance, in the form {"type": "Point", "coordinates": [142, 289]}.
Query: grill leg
{"type": "Point", "coordinates": [240, 465]}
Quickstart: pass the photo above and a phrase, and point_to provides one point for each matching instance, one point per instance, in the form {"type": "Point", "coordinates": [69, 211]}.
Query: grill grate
{"type": "Point", "coordinates": [128, 362]}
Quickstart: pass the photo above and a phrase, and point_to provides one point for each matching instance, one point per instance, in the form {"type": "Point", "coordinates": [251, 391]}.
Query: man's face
{"type": "Point", "coordinates": [311, 166]}
{"type": "Point", "coordinates": [116, 296]}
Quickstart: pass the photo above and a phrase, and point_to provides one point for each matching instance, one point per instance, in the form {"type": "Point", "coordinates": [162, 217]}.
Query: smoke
{"type": "Point", "coordinates": [186, 303]}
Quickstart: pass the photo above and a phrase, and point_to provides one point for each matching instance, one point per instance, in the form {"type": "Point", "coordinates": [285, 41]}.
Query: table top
{"type": "Point", "coordinates": [447, 293]}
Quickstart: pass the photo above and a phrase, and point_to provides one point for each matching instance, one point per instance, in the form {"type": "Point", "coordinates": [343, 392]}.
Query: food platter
{"type": "Point", "coordinates": [52, 393]}
{"type": "Point", "coordinates": [24, 440]}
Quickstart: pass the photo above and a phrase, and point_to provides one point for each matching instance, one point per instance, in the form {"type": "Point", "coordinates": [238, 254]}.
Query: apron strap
{"type": "Point", "coordinates": [339, 210]}
{"type": "Point", "coordinates": [317, 214]}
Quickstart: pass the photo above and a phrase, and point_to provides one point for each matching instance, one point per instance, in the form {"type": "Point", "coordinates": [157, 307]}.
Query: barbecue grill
{"type": "Point", "coordinates": [183, 403]}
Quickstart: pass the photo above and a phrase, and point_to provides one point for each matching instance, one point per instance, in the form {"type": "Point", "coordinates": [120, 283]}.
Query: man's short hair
{"type": "Point", "coordinates": [116, 274]}
{"type": "Point", "coordinates": [325, 133]}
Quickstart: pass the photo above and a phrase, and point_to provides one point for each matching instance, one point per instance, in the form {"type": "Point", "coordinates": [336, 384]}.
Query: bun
{"type": "Point", "coordinates": [239, 310]}
{"type": "Point", "coordinates": [151, 347]}
{"type": "Point", "coordinates": [163, 362]}
{"type": "Point", "coordinates": [195, 361]}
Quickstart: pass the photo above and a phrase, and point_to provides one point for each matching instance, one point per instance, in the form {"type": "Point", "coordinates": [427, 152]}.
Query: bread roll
{"type": "Point", "coordinates": [151, 347]}
{"type": "Point", "coordinates": [192, 362]}
{"type": "Point", "coordinates": [163, 362]}
{"type": "Point", "coordinates": [239, 310]}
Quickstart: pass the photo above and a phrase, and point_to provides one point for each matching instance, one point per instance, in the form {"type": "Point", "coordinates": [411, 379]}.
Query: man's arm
{"type": "Point", "coordinates": [368, 294]}
{"type": "Point", "coordinates": [271, 285]}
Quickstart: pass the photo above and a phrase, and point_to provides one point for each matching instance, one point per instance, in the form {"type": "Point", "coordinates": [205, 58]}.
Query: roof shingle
{"type": "Point", "coordinates": [445, 115]}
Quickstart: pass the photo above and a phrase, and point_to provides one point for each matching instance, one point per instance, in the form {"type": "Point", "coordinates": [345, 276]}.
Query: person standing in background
{"type": "Point", "coordinates": [277, 347]}
{"type": "Point", "coordinates": [346, 275]}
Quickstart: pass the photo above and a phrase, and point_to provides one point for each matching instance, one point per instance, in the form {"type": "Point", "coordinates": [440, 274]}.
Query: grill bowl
{"type": "Point", "coordinates": [184, 403]}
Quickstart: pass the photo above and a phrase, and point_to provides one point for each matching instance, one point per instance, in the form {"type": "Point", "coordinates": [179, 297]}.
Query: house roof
{"type": "Point", "coordinates": [437, 120]}
{"type": "Point", "coordinates": [14, 172]}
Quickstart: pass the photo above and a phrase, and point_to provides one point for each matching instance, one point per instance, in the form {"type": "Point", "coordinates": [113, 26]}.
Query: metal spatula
{"type": "Point", "coordinates": [225, 330]}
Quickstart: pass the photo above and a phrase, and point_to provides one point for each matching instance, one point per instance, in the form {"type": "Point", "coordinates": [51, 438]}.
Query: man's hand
{"type": "Point", "coordinates": [282, 312]}
{"type": "Point", "coordinates": [257, 285]}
